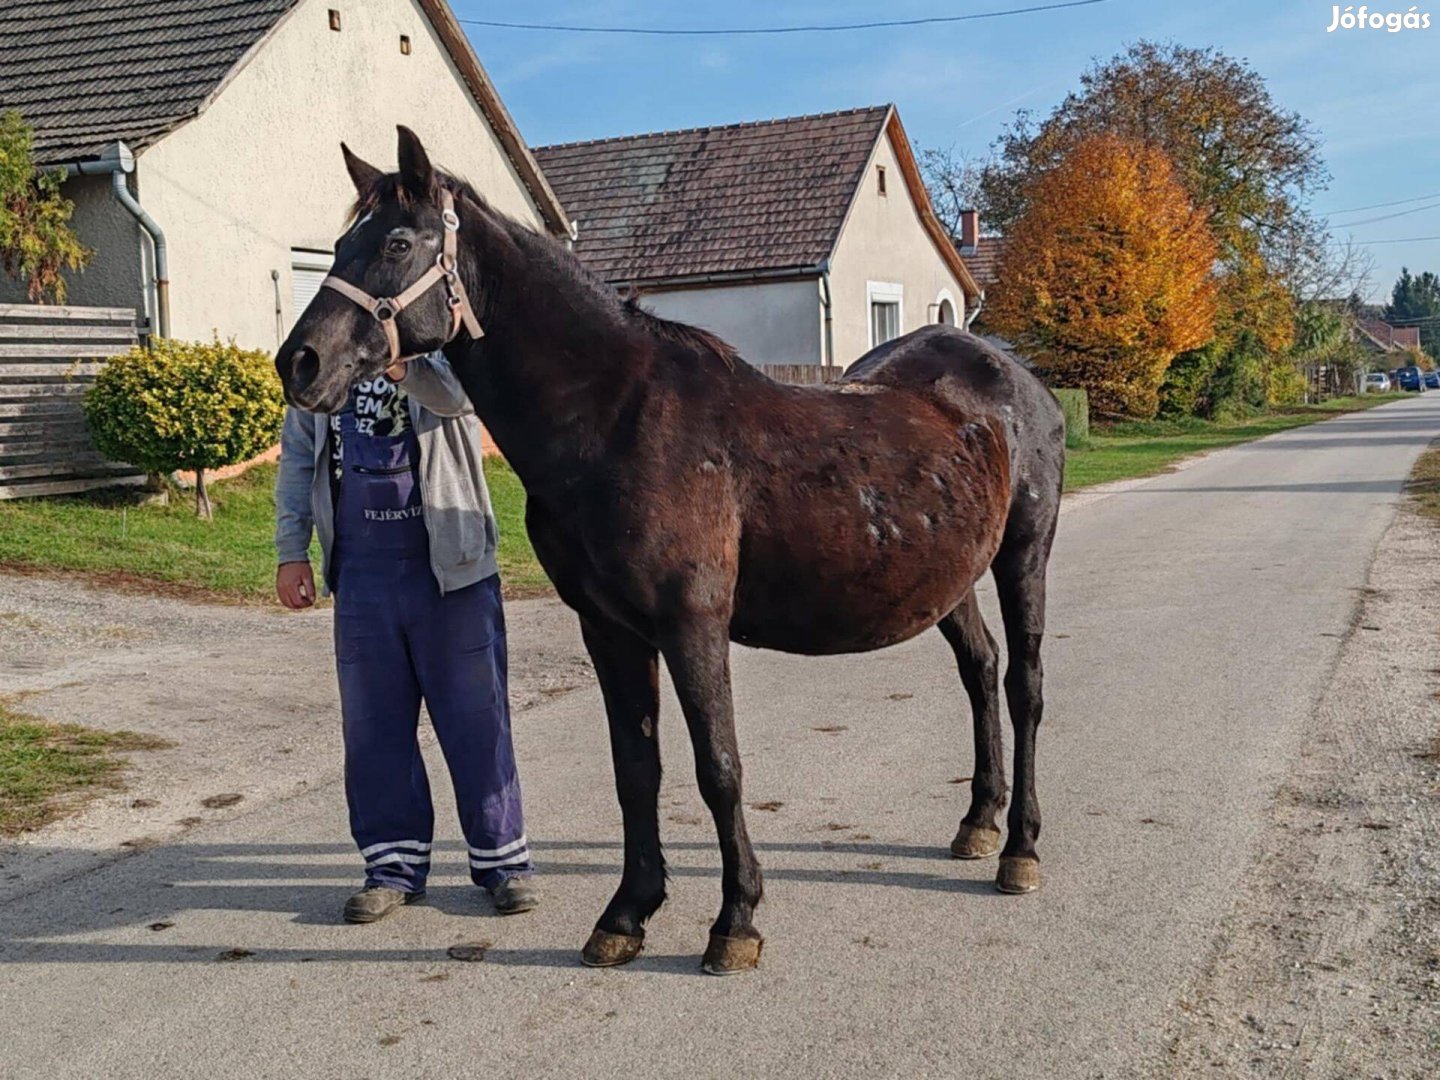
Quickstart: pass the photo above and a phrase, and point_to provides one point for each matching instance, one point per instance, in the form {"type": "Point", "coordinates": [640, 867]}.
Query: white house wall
{"type": "Point", "coordinates": [884, 242]}
{"type": "Point", "coordinates": [260, 173]}
{"type": "Point", "coordinates": [773, 323]}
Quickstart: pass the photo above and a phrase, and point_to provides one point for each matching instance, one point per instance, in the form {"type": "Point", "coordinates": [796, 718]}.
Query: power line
{"type": "Point", "coordinates": [1383, 205]}
{"type": "Point", "coordinates": [1400, 240]}
{"type": "Point", "coordinates": [1387, 217]}
{"type": "Point", "coordinates": [1397, 240]}
{"type": "Point", "coordinates": [655, 31]}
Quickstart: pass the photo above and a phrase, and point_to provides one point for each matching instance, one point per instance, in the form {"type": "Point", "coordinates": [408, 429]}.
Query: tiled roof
{"type": "Point", "coordinates": [1391, 337]}
{"type": "Point", "coordinates": [744, 198]}
{"type": "Point", "coordinates": [984, 259]}
{"type": "Point", "coordinates": [84, 73]}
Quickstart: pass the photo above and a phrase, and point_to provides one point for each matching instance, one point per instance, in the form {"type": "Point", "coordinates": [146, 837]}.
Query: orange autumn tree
{"type": "Point", "coordinates": [1108, 275]}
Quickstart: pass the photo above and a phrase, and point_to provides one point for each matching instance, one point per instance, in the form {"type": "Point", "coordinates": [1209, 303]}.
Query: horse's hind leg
{"type": "Point", "coordinates": [628, 670]}
{"type": "Point", "coordinates": [1019, 571]}
{"type": "Point", "coordinates": [975, 654]}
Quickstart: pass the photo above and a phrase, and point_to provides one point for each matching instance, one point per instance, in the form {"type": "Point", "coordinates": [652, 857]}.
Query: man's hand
{"type": "Point", "coordinates": [295, 585]}
{"type": "Point", "coordinates": [396, 372]}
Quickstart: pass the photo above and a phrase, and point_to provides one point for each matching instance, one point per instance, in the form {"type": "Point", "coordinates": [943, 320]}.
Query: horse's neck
{"type": "Point", "coordinates": [553, 368]}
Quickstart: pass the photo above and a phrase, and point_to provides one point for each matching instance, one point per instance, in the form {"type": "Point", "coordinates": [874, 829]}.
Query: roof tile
{"type": "Point", "coordinates": [740, 198]}
{"type": "Point", "coordinates": [84, 73]}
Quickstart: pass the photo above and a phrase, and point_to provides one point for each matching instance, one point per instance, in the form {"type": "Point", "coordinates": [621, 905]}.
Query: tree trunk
{"type": "Point", "coordinates": [202, 497]}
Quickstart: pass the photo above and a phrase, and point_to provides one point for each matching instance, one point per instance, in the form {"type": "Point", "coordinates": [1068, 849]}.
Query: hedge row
{"type": "Point", "coordinates": [1076, 405]}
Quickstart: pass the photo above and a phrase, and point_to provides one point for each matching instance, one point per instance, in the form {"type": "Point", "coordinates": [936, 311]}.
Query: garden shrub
{"type": "Point", "coordinates": [186, 405]}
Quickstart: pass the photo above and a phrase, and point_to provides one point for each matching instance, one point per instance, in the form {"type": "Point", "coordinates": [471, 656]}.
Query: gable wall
{"type": "Point", "coordinates": [260, 171]}
{"type": "Point", "coordinates": [776, 322]}
{"type": "Point", "coordinates": [884, 241]}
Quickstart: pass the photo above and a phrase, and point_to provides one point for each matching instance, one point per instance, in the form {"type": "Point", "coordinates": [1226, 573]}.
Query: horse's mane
{"type": "Point", "coordinates": [678, 333]}
{"type": "Point", "coordinates": [558, 258]}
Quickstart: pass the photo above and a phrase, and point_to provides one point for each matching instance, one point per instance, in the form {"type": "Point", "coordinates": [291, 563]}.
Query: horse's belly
{"type": "Point", "coordinates": [813, 603]}
{"type": "Point", "coordinates": [866, 553]}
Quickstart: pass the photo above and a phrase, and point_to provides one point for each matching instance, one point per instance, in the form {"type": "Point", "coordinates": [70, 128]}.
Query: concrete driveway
{"type": "Point", "coordinates": [1196, 623]}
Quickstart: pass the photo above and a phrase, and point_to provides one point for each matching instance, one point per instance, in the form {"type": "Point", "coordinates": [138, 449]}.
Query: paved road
{"type": "Point", "coordinates": [1195, 621]}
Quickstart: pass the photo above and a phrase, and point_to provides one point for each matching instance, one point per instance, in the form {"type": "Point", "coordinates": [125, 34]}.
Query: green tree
{"type": "Point", "coordinates": [1417, 297]}
{"type": "Point", "coordinates": [36, 241]}
{"type": "Point", "coordinates": [186, 405]}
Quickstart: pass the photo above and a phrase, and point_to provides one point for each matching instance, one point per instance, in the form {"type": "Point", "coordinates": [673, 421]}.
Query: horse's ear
{"type": "Point", "coordinates": [416, 174]}
{"type": "Point", "coordinates": [361, 172]}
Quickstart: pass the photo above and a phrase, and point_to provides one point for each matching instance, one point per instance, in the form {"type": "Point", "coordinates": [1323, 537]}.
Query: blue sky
{"type": "Point", "coordinates": [1372, 95]}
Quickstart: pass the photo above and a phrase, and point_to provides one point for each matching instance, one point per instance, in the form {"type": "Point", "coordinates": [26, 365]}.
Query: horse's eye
{"type": "Point", "coordinates": [397, 245]}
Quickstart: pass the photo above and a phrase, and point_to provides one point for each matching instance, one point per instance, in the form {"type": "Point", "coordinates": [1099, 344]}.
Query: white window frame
{"type": "Point", "coordinates": [884, 292]}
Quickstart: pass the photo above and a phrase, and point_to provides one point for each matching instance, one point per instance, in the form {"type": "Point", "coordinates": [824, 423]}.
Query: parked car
{"type": "Point", "coordinates": [1377, 382]}
{"type": "Point", "coordinates": [1410, 378]}
{"type": "Point", "coordinates": [1432, 380]}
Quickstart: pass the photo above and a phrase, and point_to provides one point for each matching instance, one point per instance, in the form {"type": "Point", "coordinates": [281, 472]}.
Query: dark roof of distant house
{"type": "Point", "coordinates": [85, 73]}
{"type": "Point", "coordinates": [741, 198]}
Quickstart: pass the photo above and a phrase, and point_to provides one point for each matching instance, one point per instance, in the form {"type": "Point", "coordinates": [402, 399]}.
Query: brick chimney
{"type": "Point", "coordinates": [969, 230]}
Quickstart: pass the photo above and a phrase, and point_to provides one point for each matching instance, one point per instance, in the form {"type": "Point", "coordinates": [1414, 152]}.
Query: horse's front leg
{"type": "Point", "coordinates": [628, 671]}
{"type": "Point", "coordinates": [697, 652]}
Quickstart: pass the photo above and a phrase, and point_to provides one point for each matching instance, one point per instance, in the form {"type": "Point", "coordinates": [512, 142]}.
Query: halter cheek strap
{"type": "Point", "coordinates": [385, 308]}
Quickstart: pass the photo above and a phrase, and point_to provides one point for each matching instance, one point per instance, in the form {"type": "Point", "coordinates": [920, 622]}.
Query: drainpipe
{"type": "Point", "coordinates": [157, 238]}
{"type": "Point", "coordinates": [829, 314]}
{"type": "Point", "coordinates": [971, 316]}
{"type": "Point", "coordinates": [117, 160]}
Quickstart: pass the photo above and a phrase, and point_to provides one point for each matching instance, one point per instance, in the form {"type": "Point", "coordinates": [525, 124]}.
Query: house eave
{"type": "Point", "coordinates": [719, 279]}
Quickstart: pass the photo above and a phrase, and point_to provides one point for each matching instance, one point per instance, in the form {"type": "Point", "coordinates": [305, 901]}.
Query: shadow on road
{"type": "Point", "coordinates": [160, 887]}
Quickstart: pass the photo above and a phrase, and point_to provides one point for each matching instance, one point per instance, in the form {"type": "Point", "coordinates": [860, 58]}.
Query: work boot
{"type": "Point", "coordinates": [374, 902]}
{"type": "Point", "coordinates": [514, 895]}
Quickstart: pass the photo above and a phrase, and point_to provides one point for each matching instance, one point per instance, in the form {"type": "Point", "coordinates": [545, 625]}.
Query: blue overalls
{"type": "Point", "coordinates": [398, 640]}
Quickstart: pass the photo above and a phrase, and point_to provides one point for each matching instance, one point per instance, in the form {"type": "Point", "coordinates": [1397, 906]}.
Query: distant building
{"type": "Point", "coordinates": [806, 240]}
{"type": "Point", "coordinates": [1387, 336]}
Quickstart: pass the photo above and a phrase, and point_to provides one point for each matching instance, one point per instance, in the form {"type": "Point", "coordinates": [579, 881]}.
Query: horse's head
{"type": "Point", "coordinates": [391, 292]}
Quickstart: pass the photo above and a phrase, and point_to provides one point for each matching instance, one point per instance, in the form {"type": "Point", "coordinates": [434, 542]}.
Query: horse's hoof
{"type": "Point", "coordinates": [605, 949]}
{"type": "Point", "coordinates": [975, 842]}
{"type": "Point", "coordinates": [731, 955]}
{"type": "Point", "coordinates": [1017, 875]}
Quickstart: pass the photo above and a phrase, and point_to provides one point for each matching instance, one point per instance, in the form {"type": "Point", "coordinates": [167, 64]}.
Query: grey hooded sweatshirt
{"type": "Point", "coordinates": [455, 500]}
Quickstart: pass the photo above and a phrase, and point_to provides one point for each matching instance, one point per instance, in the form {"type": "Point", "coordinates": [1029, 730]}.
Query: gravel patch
{"type": "Point", "coordinates": [1329, 964]}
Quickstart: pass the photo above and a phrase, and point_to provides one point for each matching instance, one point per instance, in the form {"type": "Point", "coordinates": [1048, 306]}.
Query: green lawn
{"type": "Point", "coordinates": [105, 536]}
{"type": "Point", "coordinates": [46, 770]}
{"type": "Point", "coordinates": [1143, 448]}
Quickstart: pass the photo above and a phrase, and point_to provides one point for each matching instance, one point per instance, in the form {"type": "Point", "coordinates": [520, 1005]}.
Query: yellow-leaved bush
{"type": "Point", "coordinates": [191, 405]}
{"type": "Point", "coordinates": [1108, 275]}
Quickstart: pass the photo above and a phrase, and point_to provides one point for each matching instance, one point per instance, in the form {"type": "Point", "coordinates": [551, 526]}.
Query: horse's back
{"type": "Point", "coordinates": [960, 371]}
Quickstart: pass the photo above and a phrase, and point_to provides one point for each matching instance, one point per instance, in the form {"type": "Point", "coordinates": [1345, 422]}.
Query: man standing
{"type": "Point", "coordinates": [394, 488]}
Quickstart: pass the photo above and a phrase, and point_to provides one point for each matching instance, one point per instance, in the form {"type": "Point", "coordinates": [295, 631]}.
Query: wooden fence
{"type": "Point", "coordinates": [48, 358]}
{"type": "Point", "coordinates": [802, 374]}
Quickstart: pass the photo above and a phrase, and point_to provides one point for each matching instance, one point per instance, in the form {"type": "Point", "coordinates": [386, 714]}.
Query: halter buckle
{"type": "Point", "coordinates": [451, 219]}
{"type": "Point", "coordinates": [446, 264]}
{"type": "Point", "coordinates": [385, 309]}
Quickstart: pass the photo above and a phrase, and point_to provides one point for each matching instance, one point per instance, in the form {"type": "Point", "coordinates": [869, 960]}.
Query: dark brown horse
{"type": "Point", "coordinates": [680, 500]}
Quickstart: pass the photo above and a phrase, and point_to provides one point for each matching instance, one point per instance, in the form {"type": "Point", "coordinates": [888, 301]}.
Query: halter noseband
{"type": "Point", "coordinates": [385, 309]}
